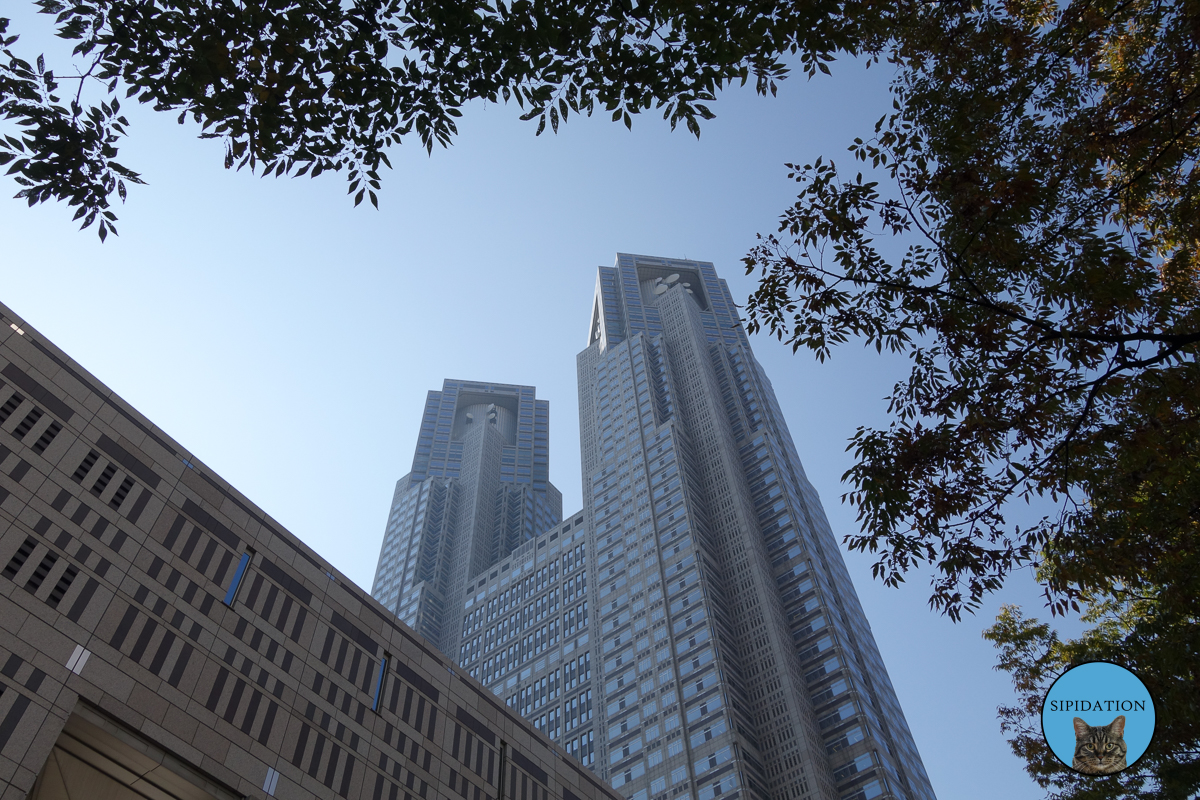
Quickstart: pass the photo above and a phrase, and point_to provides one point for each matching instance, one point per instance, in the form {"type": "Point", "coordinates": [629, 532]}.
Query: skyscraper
{"type": "Point", "coordinates": [479, 487]}
{"type": "Point", "coordinates": [723, 601]}
{"type": "Point", "coordinates": [693, 632]}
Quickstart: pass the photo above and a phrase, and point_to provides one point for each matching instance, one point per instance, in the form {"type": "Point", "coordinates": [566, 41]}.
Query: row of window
{"type": "Point", "coordinates": [582, 748]}
{"type": "Point", "coordinates": [532, 643]}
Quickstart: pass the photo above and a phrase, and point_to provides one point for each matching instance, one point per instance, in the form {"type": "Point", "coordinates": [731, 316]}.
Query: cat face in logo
{"type": "Point", "coordinates": [1100, 749]}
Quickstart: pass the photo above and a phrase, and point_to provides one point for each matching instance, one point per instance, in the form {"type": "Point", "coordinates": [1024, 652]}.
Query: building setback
{"type": "Point", "coordinates": [728, 655]}
{"type": "Point", "coordinates": [479, 487]}
{"type": "Point", "coordinates": [527, 635]}
{"type": "Point", "coordinates": [165, 638]}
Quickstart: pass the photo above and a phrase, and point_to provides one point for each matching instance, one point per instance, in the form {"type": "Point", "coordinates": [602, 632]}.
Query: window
{"type": "Point", "coordinates": [11, 405]}
{"type": "Point", "coordinates": [238, 574]}
{"type": "Point", "coordinates": [379, 682]}
{"type": "Point", "coordinates": [46, 438]}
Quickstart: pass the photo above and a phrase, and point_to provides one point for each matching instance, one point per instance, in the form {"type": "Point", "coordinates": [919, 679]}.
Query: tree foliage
{"type": "Point", "coordinates": [65, 152]}
{"type": "Point", "coordinates": [305, 86]}
{"type": "Point", "coordinates": [1128, 631]}
{"type": "Point", "coordinates": [1033, 251]}
{"type": "Point", "coordinates": [1048, 295]}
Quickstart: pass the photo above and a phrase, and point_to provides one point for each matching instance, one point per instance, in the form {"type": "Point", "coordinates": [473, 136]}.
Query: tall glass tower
{"type": "Point", "coordinates": [693, 631]}
{"type": "Point", "coordinates": [479, 487]}
{"type": "Point", "coordinates": [734, 655]}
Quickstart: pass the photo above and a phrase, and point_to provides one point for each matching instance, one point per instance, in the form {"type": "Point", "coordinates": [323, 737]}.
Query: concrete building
{"type": "Point", "coordinates": [165, 638]}
{"type": "Point", "coordinates": [729, 654]}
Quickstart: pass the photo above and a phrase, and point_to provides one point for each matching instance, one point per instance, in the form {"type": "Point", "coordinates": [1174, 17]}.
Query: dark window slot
{"type": "Point", "coordinates": [63, 585]}
{"type": "Point", "coordinates": [102, 482]}
{"type": "Point", "coordinates": [20, 557]}
{"type": "Point", "coordinates": [86, 466]}
{"type": "Point", "coordinates": [10, 405]}
{"type": "Point", "coordinates": [39, 574]}
{"type": "Point", "coordinates": [46, 438]}
{"type": "Point", "coordinates": [122, 492]}
{"type": "Point", "coordinates": [27, 424]}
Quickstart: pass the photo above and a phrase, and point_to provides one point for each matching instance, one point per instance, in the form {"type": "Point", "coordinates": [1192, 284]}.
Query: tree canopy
{"type": "Point", "coordinates": [1033, 249]}
{"type": "Point", "coordinates": [1158, 643]}
{"type": "Point", "coordinates": [304, 86]}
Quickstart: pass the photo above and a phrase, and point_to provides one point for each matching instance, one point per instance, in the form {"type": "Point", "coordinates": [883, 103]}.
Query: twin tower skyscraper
{"type": "Point", "coordinates": [692, 631]}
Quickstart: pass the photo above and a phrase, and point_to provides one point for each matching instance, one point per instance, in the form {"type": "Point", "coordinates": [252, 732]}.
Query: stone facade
{"type": "Point", "coordinates": [164, 637]}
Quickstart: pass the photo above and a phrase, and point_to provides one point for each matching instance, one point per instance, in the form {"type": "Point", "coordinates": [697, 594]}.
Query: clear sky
{"type": "Point", "coordinates": [288, 339]}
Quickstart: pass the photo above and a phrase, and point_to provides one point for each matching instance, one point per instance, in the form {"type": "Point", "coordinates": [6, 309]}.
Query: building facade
{"type": "Point", "coordinates": [527, 636]}
{"type": "Point", "coordinates": [479, 488]}
{"type": "Point", "coordinates": [734, 654]}
{"type": "Point", "coordinates": [693, 632]}
{"type": "Point", "coordinates": [165, 638]}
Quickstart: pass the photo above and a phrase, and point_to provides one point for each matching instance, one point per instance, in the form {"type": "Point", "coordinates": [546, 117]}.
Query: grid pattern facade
{"type": "Point", "coordinates": [527, 636]}
{"type": "Point", "coordinates": [152, 610]}
{"type": "Point", "coordinates": [735, 657]}
{"type": "Point", "coordinates": [693, 632]}
{"type": "Point", "coordinates": [478, 489]}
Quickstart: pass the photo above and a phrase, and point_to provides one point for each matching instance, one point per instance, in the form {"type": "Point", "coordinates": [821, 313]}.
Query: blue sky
{"type": "Point", "coordinates": [289, 339]}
